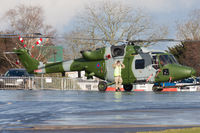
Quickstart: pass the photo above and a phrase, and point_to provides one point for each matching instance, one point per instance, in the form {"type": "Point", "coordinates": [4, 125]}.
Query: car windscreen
{"type": "Point", "coordinates": [16, 73]}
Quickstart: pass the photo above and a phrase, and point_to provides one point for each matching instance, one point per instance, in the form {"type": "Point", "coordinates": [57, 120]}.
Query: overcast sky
{"type": "Point", "coordinates": [61, 13]}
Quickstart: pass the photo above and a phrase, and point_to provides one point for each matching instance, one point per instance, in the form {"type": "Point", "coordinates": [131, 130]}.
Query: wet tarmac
{"type": "Point", "coordinates": [77, 111]}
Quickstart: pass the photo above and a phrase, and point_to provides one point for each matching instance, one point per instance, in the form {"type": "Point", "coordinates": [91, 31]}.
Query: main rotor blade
{"type": "Point", "coordinates": [18, 34]}
{"type": "Point", "coordinates": [164, 40]}
{"type": "Point", "coordinates": [139, 40]}
{"type": "Point", "coordinates": [39, 35]}
{"type": "Point", "coordinates": [10, 52]}
{"type": "Point", "coordinates": [26, 36]}
{"type": "Point", "coordinates": [93, 39]}
{"type": "Point", "coordinates": [96, 39]}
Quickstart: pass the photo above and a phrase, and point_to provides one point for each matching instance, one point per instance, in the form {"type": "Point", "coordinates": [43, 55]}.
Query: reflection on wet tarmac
{"type": "Point", "coordinates": [25, 107]}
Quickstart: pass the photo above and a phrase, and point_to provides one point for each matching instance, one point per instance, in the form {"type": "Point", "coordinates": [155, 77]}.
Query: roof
{"type": "Point", "coordinates": [22, 69]}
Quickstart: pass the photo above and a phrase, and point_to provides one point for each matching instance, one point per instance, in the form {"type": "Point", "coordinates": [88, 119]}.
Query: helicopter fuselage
{"type": "Point", "coordinates": [141, 64]}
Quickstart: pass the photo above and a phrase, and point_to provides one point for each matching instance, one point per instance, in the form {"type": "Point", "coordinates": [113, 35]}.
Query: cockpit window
{"type": "Point", "coordinates": [167, 59]}
{"type": "Point", "coordinates": [155, 62]}
{"type": "Point", "coordinates": [174, 59]}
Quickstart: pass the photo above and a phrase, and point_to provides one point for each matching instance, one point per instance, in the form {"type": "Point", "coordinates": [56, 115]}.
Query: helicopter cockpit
{"type": "Point", "coordinates": [163, 59]}
{"type": "Point", "coordinates": [167, 59]}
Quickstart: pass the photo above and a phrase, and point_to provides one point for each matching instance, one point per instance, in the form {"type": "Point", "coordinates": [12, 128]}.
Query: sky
{"type": "Point", "coordinates": [61, 13]}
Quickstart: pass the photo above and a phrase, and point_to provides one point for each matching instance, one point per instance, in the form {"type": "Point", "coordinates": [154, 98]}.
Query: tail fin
{"type": "Point", "coordinates": [27, 61]}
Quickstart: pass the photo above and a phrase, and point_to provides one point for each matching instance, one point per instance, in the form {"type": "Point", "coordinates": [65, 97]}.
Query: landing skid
{"type": "Point", "coordinates": [157, 88]}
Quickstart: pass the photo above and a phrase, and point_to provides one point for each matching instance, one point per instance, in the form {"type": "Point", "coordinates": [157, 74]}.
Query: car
{"type": "Point", "coordinates": [16, 77]}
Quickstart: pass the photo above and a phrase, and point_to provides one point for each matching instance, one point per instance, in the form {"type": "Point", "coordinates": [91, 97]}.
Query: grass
{"type": "Point", "coordinates": [185, 130]}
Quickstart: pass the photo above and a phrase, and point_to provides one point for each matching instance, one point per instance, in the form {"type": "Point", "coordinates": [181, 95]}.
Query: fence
{"type": "Point", "coordinates": [38, 83]}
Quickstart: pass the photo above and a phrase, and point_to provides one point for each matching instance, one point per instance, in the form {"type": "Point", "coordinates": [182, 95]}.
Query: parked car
{"type": "Point", "coordinates": [15, 78]}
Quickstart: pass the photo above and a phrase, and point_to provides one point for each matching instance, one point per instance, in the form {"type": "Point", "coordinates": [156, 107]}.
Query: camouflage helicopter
{"type": "Point", "coordinates": [142, 65]}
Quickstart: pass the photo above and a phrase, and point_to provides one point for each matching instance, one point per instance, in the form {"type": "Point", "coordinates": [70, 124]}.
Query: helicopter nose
{"type": "Point", "coordinates": [193, 72]}
{"type": "Point", "coordinates": [181, 72]}
{"type": "Point", "coordinates": [188, 72]}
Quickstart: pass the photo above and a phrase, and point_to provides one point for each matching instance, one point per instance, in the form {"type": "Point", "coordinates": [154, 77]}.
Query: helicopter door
{"type": "Point", "coordinates": [142, 67]}
{"type": "Point", "coordinates": [117, 50]}
{"type": "Point", "coordinates": [155, 63]}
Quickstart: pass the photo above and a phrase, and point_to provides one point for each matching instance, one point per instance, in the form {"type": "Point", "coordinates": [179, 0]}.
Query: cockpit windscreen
{"type": "Point", "coordinates": [167, 59]}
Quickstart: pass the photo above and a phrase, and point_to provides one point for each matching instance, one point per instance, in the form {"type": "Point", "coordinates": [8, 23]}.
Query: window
{"type": "Point", "coordinates": [139, 64]}
{"type": "Point", "coordinates": [117, 50]}
{"type": "Point", "coordinates": [18, 73]}
{"type": "Point", "coordinates": [155, 62]}
{"type": "Point", "coordinates": [174, 59]}
{"type": "Point", "coordinates": [165, 71]}
{"type": "Point", "coordinates": [167, 59]}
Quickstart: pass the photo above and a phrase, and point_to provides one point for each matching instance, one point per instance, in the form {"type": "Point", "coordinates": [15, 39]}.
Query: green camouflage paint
{"type": "Point", "coordinates": [127, 73]}
{"type": "Point", "coordinates": [176, 72]}
{"type": "Point", "coordinates": [78, 65]}
{"type": "Point", "coordinates": [54, 67]}
{"type": "Point", "coordinates": [96, 67]}
{"type": "Point", "coordinates": [94, 55]}
{"type": "Point", "coordinates": [27, 61]}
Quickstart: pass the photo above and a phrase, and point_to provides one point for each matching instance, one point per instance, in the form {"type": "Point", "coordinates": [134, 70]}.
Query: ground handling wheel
{"type": "Point", "coordinates": [157, 88]}
{"type": "Point", "coordinates": [102, 86]}
{"type": "Point", "coordinates": [128, 88]}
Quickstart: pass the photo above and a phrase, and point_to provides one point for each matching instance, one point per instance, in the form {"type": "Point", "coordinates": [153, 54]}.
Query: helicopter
{"type": "Point", "coordinates": [142, 65]}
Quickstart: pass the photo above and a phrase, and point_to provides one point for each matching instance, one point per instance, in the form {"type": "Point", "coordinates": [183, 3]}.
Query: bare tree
{"type": "Point", "coordinates": [7, 61]}
{"type": "Point", "coordinates": [74, 46]}
{"type": "Point", "coordinates": [190, 27]}
{"type": "Point", "coordinates": [188, 52]}
{"type": "Point", "coordinates": [30, 19]}
{"type": "Point", "coordinates": [113, 20]}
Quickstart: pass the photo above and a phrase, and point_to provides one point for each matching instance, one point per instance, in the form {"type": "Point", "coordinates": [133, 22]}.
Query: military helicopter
{"type": "Point", "coordinates": [141, 64]}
